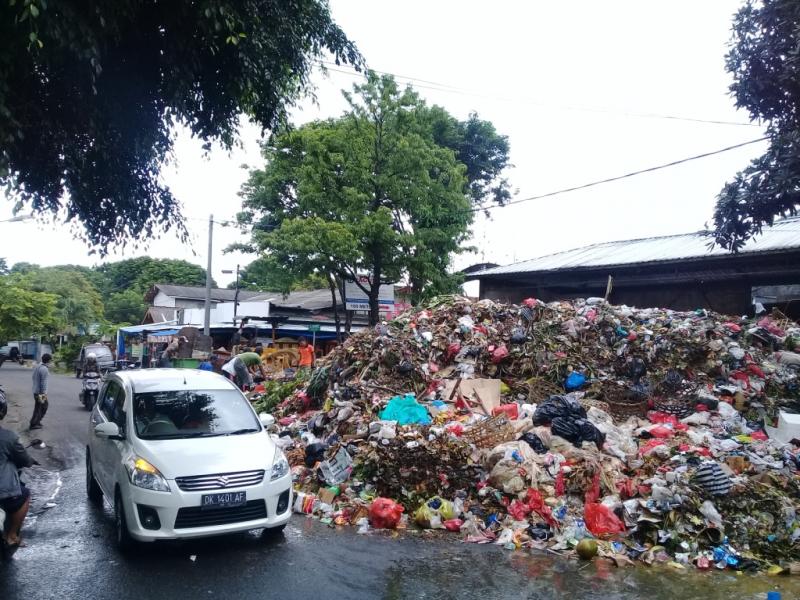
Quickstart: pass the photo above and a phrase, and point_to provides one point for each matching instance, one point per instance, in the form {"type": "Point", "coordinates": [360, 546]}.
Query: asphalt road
{"type": "Point", "coordinates": [70, 551]}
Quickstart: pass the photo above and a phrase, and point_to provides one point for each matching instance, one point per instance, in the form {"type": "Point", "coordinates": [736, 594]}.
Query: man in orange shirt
{"type": "Point", "coordinates": [306, 352]}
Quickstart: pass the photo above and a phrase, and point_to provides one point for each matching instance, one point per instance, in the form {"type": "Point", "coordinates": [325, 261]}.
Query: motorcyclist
{"type": "Point", "coordinates": [15, 498]}
{"type": "Point", "coordinates": [91, 365]}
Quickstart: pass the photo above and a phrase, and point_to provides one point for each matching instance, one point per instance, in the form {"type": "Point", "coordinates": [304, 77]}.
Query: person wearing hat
{"type": "Point", "coordinates": [218, 358]}
{"type": "Point", "coordinates": [15, 499]}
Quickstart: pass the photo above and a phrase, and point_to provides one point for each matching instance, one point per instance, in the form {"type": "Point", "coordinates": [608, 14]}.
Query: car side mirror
{"type": "Point", "coordinates": [109, 431]}
{"type": "Point", "coordinates": [267, 420]}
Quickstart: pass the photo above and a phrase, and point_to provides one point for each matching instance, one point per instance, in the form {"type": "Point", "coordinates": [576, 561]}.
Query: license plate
{"type": "Point", "coordinates": [223, 500]}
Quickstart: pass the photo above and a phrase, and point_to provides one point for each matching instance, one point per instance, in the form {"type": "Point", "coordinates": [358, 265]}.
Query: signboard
{"type": "Point", "coordinates": [356, 299]}
{"type": "Point", "coordinates": [314, 327]}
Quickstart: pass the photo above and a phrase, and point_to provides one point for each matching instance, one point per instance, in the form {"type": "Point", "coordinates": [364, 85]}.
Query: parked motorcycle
{"type": "Point", "coordinates": [90, 389]}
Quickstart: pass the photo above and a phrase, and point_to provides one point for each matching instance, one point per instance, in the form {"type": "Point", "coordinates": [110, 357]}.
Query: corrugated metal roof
{"type": "Point", "coordinates": [783, 235]}
{"type": "Point", "coordinates": [192, 292]}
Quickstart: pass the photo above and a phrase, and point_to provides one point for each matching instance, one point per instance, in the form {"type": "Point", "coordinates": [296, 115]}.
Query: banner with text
{"type": "Point", "coordinates": [356, 298]}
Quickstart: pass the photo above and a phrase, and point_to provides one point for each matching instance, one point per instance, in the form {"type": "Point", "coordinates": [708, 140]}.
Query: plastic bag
{"type": "Point", "coordinates": [574, 381]}
{"type": "Point", "coordinates": [499, 354]}
{"type": "Point", "coordinates": [600, 520]}
{"type": "Point", "coordinates": [406, 411]}
{"type": "Point", "coordinates": [315, 453]}
{"type": "Point", "coordinates": [453, 524]}
{"type": "Point", "coordinates": [709, 511]}
{"type": "Point", "coordinates": [535, 442]}
{"type": "Point", "coordinates": [577, 431]}
{"type": "Point", "coordinates": [434, 513]}
{"type": "Point", "coordinates": [558, 406]}
{"type": "Point", "coordinates": [384, 513]}
{"type": "Point", "coordinates": [518, 510]}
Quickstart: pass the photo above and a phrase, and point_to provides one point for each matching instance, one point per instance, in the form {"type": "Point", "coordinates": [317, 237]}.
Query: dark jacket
{"type": "Point", "coordinates": [12, 458]}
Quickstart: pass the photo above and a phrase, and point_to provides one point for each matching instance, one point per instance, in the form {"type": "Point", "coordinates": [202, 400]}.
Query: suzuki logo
{"type": "Point", "coordinates": [223, 481]}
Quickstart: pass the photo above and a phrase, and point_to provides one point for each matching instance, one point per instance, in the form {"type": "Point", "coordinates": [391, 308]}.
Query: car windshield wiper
{"type": "Point", "coordinates": [240, 431]}
{"type": "Point", "coordinates": [179, 436]}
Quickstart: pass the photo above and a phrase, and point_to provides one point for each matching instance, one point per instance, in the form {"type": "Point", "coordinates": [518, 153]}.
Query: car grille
{"type": "Point", "coordinates": [219, 481]}
{"type": "Point", "coordinates": [194, 516]}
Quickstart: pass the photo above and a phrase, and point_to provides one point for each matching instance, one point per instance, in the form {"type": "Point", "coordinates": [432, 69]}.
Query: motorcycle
{"type": "Point", "coordinates": [91, 387]}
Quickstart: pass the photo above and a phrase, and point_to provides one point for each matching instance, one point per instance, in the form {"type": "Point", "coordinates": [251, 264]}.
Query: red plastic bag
{"type": "Point", "coordinates": [499, 354]}
{"type": "Point", "coordinates": [655, 442]}
{"type": "Point", "coordinates": [453, 349]}
{"type": "Point", "coordinates": [560, 485]}
{"type": "Point", "coordinates": [600, 520]}
{"type": "Point", "coordinates": [384, 513]}
{"type": "Point", "coordinates": [626, 488]}
{"type": "Point", "coordinates": [536, 504]}
{"type": "Point", "coordinates": [529, 302]}
{"type": "Point", "coordinates": [661, 431]}
{"type": "Point", "coordinates": [759, 435]}
{"type": "Point", "coordinates": [593, 493]}
{"type": "Point", "coordinates": [518, 510]}
{"type": "Point", "coordinates": [453, 524]}
{"type": "Point", "coordinates": [510, 410]}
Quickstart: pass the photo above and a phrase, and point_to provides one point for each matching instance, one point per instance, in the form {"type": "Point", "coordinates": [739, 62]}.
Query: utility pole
{"type": "Point", "coordinates": [207, 317]}
{"type": "Point", "coordinates": [236, 296]}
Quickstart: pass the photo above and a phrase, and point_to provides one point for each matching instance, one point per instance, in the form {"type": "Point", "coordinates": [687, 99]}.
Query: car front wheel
{"type": "Point", "coordinates": [124, 540]}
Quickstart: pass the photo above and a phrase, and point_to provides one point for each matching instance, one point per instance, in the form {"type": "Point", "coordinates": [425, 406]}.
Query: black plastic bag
{"type": "Point", "coordinates": [535, 442]}
{"type": "Point", "coordinates": [518, 336]}
{"type": "Point", "coordinates": [315, 453]}
{"type": "Point", "coordinates": [577, 431]}
{"type": "Point", "coordinates": [637, 369]}
{"type": "Point", "coordinates": [590, 433]}
{"type": "Point", "coordinates": [558, 406]}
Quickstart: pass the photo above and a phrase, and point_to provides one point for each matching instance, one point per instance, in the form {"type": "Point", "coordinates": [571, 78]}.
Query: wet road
{"type": "Point", "coordinates": [70, 553]}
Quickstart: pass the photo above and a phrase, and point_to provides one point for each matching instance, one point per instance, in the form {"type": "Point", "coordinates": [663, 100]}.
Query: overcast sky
{"type": "Point", "coordinates": [562, 79]}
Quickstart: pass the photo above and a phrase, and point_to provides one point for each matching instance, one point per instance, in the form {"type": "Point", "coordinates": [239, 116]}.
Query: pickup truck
{"type": "Point", "coordinates": [105, 360]}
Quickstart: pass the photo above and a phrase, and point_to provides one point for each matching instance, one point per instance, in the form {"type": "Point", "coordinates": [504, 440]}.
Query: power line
{"type": "Point", "coordinates": [619, 177]}
{"type": "Point", "coordinates": [446, 88]}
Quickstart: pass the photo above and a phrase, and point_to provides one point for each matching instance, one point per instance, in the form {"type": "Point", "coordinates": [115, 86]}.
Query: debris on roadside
{"type": "Point", "coordinates": [644, 435]}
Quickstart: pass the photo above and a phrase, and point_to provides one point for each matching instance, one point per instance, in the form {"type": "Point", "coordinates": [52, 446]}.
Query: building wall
{"type": "Point", "coordinates": [186, 303]}
{"type": "Point", "coordinates": [162, 299]}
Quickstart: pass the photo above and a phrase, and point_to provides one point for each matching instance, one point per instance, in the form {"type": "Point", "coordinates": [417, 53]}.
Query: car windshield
{"type": "Point", "coordinates": [192, 413]}
{"type": "Point", "coordinates": [101, 352]}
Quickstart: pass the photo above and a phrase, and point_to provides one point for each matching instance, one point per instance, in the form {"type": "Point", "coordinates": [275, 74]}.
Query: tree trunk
{"type": "Point", "coordinates": [375, 290]}
{"type": "Point", "coordinates": [348, 314]}
{"type": "Point", "coordinates": [332, 286]}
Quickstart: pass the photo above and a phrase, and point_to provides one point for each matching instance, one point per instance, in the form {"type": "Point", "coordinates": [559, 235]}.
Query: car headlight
{"type": "Point", "coordinates": [144, 475]}
{"type": "Point", "coordinates": [280, 466]}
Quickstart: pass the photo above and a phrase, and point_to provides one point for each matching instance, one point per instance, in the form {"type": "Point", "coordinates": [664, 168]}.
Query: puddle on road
{"type": "Point", "coordinates": [44, 486]}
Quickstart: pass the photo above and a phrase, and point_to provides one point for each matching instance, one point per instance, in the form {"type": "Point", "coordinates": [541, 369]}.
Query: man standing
{"type": "Point", "coordinates": [14, 496]}
{"type": "Point", "coordinates": [40, 375]}
{"type": "Point", "coordinates": [306, 352]}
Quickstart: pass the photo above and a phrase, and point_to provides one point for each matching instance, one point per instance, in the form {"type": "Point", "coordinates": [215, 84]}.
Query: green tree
{"type": "Point", "coordinates": [21, 268]}
{"type": "Point", "coordinates": [90, 93]}
{"type": "Point", "coordinates": [765, 65]}
{"type": "Point", "coordinates": [125, 307]}
{"type": "Point", "coordinates": [79, 305]}
{"type": "Point", "coordinates": [372, 192]}
{"type": "Point", "coordinates": [25, 313]}
{"type": "Point", "coordinates": [267, 274]}
{"type": "Point", "coordinates": [3, 267]}
{"type": "Point", "coordinates": [139, 274]}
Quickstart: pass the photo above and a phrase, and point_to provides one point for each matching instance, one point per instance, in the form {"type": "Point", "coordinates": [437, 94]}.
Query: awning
{"type": "Point", "coordinates": [134, 329]}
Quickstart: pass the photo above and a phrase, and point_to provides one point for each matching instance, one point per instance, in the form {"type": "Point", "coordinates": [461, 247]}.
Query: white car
{"type": "Point", "coordinates": [180, 453]}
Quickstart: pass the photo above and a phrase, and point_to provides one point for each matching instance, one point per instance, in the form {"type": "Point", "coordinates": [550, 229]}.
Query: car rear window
{"type": "Point", "coordinates": [192, 413]}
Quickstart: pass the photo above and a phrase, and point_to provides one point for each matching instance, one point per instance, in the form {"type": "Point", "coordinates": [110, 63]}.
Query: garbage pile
{"type": "Point", "coordinates": [579, 427]}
